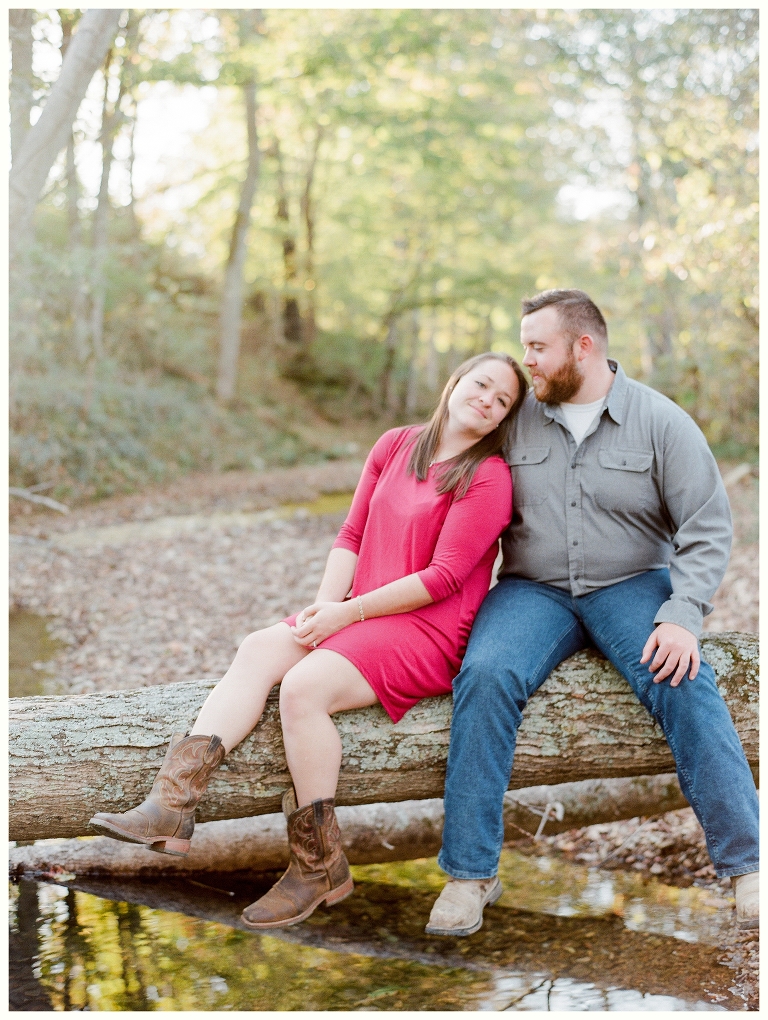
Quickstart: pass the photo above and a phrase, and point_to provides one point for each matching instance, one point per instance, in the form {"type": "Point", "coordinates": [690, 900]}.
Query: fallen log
{"type": "Point", "coordinates": [72, 756]}
{"type": "Point", "coordinates": [371, 833]}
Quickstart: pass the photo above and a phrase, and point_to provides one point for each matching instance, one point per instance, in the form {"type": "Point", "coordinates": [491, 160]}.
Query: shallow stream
{"type": "Point", "coordinates": [562, 937]}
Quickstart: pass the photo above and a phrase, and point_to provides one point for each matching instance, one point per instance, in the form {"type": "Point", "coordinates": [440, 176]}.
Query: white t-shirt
{"type": "Point", "coordinates": [579, 417]}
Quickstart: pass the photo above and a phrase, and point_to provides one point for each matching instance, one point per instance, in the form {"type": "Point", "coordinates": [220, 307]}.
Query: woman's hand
{"type": "Point", "coordinates": [318, 621]}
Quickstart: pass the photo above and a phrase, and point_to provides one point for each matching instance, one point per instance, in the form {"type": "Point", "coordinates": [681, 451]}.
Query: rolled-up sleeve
{"type": "Point", "coordinates": [697, 503]}
{"type": "Point", "coordinates": [472, 525]}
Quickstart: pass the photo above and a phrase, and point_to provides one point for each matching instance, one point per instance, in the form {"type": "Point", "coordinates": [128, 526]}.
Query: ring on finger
{"type": "Point", "coordinates": [314, 644]}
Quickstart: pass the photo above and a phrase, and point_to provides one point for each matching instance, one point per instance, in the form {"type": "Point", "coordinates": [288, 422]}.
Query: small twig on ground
{"type": "Point", "coordinates": [28, 494]}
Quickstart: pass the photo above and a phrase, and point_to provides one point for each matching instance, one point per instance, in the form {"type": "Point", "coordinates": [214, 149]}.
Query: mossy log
{"type": "Point", "coordinates": [74, 755]}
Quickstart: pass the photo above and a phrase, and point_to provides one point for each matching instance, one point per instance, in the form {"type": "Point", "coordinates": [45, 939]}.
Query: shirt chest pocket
{"type": "Point", "coordinates": [624, 482]}
{"type": "Point", "coordinates": [530, 475]}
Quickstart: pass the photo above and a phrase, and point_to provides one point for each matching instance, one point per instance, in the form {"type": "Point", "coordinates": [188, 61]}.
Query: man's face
{"type": "Point", "coordinates": [549, 356]}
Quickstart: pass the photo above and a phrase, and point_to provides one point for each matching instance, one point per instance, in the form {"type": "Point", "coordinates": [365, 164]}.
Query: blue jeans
{"type": "Point", "coordinates": [522, 631]}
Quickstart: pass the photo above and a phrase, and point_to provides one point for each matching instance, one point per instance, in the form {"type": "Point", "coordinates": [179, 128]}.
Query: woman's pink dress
{"type": "Point", "coordinates": [397, 526]}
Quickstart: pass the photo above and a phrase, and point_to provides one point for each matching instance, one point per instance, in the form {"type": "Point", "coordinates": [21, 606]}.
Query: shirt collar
{"type": "Point", "coordinates": [614, 400]}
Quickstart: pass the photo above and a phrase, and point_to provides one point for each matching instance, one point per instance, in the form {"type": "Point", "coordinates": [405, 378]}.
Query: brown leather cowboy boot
{"type": "Point", "coordinates": [166, 819]}
{"type": "Point", "coordinates": [318, 869]}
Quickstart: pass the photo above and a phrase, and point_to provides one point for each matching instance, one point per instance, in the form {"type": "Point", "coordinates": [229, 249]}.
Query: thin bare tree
{"type": "Point", "coordinates": [45, 140]}
{"type": "Point", "coordinates": [111, 121]}
{"type": "Point", "coordinates": [22, 87]}
{"type": "Point", "coordinates": [230, 317]}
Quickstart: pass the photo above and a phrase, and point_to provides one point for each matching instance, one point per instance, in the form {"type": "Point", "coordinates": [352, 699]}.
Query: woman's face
{"type": "Point", "coordinates": [482, 398]}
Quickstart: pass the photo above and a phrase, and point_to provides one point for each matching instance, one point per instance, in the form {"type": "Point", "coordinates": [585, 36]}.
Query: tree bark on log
{"type": "Point", "coordinates": [72, 756]}
{"type": "Point", "coordinates": [371, 833]}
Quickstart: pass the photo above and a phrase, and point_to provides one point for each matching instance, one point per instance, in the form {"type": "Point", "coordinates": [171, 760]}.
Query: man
{"type": "Point", "coordinates": [620, 536]}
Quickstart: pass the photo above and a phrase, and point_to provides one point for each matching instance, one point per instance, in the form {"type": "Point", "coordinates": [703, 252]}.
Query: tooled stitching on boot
{"type": "Point", "coordinates": [329, 835]}
{"type": "Point", "coordinates": [183, 766]}
{"type": "Point", "coordinates": [305, 839]}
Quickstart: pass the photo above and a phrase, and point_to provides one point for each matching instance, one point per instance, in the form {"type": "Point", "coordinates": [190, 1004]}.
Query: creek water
{"type": "Point", "coordinates": [30, 649]}
{"type": "Point", "coordinates": [562, 937]}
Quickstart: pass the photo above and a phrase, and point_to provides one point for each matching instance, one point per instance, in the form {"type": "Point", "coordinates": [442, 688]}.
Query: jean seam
{"type": "Point", "coordinates": [535, 672]}
{"type": "Point", "coordinates": [499, 843]}
{"type": "Point", "coordinates": [673, 748]}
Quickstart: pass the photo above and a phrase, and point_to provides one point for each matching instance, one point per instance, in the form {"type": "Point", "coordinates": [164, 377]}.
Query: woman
{"type": "Point", "coordinates": [390, 623]}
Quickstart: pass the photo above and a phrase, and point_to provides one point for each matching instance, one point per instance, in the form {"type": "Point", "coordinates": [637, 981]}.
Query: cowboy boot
{"type": "Point", "coordinates": [166, 819]}
{"type": "Point", "coordinates": [318, 870]}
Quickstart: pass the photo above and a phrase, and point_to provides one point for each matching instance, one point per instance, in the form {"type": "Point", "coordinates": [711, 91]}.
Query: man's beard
{"type": "Point", "coordinates": [560, 387]}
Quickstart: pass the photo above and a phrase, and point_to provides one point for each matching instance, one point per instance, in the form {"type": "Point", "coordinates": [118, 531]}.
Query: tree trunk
{"type": "Point", "coordinates": [291, 315]}
{"type": "Point", "coordinates": [22, 87]}
{"type": "Point", "coordinates": [431, 379]}
{"type": "Point", "coordinates": [110, 124]}
{"type": "Point", "coordinates": [308, 215]}
{"type": "Point", "coordinates": [101, 220]}
{"type": "Point", "coordinates": [412, 386]}
{"type": "Point", "coordinates": [387, 380]}
{"type": "Point", "coordinates": [133, 218]}
{"type": "Point", "coordinates": [72, 756]}
{"type": "Point", "coordinates": [77, 252]}
{"type": "Point", "coordinates": [230, 319]}
{"type": "Point", "coordinates": [371, 833]}
{"type": "Point", "coordinates": [47, 138]}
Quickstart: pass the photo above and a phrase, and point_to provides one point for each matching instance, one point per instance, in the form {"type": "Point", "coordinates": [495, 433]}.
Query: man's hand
{"type": "Point", "coordinates": [676, 650]}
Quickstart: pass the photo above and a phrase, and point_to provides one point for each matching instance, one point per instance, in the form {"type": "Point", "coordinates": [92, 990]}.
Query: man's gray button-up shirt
{"type": "Point", "coordinates": [641, 491]}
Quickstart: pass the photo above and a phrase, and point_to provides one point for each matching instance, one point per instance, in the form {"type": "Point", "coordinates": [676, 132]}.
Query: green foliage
{"type": "Point", "coordinates": [414, 165]}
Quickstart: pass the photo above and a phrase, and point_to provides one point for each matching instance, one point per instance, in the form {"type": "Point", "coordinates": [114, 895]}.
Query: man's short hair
{"type": "Point", "coordinates": [578, 313]}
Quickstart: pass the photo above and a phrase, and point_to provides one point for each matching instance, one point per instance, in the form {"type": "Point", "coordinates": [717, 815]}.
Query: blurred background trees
{"type": "Point", "coordinates": [272, 234]}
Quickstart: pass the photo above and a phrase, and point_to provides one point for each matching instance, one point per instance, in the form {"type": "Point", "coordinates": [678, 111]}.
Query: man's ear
{"type": "Point", "coordinates": [584, 346]}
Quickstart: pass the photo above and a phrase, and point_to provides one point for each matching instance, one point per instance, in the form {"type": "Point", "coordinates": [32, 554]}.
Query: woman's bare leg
{"type": "Point", "coordinates": [236, 703]}
{"type": "Point", "coordinates": [321, 684]}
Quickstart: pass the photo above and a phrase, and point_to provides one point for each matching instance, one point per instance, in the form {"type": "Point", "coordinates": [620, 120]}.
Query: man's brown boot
{"type": "Point", "coordinates": [318, 870]}
{"type": "Point", "coordinates": [166, 819]}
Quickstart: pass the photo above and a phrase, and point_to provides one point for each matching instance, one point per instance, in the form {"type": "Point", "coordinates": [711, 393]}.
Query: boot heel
{"type": "Point", "coordinates": [337, 895]}
{"type": "Point", "coordinates": [175, 847]}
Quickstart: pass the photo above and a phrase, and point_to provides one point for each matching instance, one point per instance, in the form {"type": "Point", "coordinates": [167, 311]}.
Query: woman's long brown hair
{"type": "Point", "coordinates": [457, 473]}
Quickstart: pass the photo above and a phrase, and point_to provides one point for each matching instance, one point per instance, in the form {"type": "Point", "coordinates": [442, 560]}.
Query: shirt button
{"type": "Point", "coordinates": [573, 502]}
{"type": "Point", "coordinates": [575, 577]}
{"type": "Point", "coordinates": [525, 458]}
{"type": "Point", "coordinates": [623, 462]}
{"type": "Point", "coordinates": [575, 542]}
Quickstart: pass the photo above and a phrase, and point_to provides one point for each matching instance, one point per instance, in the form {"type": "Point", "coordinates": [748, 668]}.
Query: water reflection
{"type": "Point", "coordinates": [179, 945]}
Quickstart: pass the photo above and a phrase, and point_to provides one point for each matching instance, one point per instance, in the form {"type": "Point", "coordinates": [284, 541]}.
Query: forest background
{"type": "Point", "coordinates": [361, 201]}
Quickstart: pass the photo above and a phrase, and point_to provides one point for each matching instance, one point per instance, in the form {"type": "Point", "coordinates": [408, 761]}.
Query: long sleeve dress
{"type": "Point", "coordinates": [398, 525]}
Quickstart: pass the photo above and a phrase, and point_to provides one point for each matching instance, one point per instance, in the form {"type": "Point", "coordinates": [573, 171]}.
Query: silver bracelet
{"type": "Point", "coordinates": [360, 607]}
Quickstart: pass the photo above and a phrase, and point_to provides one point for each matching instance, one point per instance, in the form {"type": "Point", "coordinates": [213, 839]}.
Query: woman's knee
{"type": "Point", "coordinates": [254, 644]}
{"type": "Point", "coordinates": [298, 694]}
{"type": "Point", "coordinates": [266, 645]}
